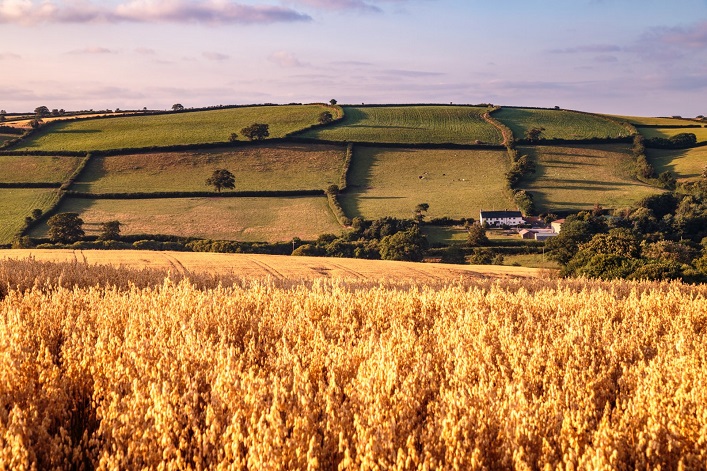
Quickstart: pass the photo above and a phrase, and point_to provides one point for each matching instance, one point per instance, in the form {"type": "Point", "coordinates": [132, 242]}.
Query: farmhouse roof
{"type": "Point", "coordinates": [501, 214]}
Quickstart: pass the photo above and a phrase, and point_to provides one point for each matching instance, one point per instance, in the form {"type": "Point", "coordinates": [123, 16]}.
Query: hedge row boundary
{"type": "Point", "coordinates": [194, 194]}
{"type": "Point", "coordinates": [30, 184]}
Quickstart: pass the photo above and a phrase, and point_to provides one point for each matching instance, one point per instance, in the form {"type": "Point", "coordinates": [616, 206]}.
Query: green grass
{"type": "Point", "coordinates": [36, 169]}
{"type": "Point", "coordinates": [411, 124]}
{"type": "Point", "coordinates": [445, 235]}
{"type": "Point", "coordinates": [16, 204]}
{"type": "Point", "coordinates": [667, 133]}
{"type": "Point", "coordinates": [455, 183]}
{"type": "Point", "coordinates": [685, 164]}
{"type": "Point", "coordinates": [530, 261]}
{"type": "Point", "coordinates": [572, 178]}
{"type": "Point", "coordinates": [244, 219]}
{"type": "Point", "coordinates": [559, 124]}
{"type": "Point", "coordinates": [261, 167]}
{"type": "Point", "coordinates": [170, 129]}
{"type": "Point", "coordinates": [655, 121]}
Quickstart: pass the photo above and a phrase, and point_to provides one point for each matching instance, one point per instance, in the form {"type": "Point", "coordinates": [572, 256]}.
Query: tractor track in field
{"type": "Point", "coordinates": [268, 269]}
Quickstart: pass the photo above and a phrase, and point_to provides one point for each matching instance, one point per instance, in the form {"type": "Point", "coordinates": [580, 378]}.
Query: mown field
{"type": "Point", "coordinates": [685, 164]}
{"type": "Point", "coordinates": [223, 218]}
{"type": "Point", "coordinates": [16, 204]}
{"type": "Point", "coordinates": [571, 178]}
{"type": "Point", "coordinates": [411, 124]}
{"type": "Point", "coordinates": [559, 124]}
{"type": "Point", "coordinates": [261, 167]}
{"type": "Point", "coordinates": [124, 369]}
{"type": "Point", "coordinates": [170, 129]}
{"type": "Point", "coordinates": [455, 183]}
{"type": "Point", "coordinates": [36, 169]}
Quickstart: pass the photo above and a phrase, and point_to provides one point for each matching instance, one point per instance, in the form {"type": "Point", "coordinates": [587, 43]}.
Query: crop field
{"type": "Point", "coordinates": [667, 133]}
{"type": "Point", "coordinates": [33, 169]}
{"type": "Point", "coordinates": [412, 124]}
{"type": "Point", "coordinates": [124, 369]}
{"type": "Point", "coordinates": [576, 177]}
{"type": "Point", "coordinates": [455, 183]}
{"type": "Point", "coordinates": [685, 164]}
{"type": "Point", "coordinates": [18, 203]}
{"type": "Point", "coordinates": [261, 167]}
{"type": "Point", "coordinates": [244, 219]}
{"type": "Point", "coordinates": [170, 129]}
{"type": "Point", "coordinates": [559, 124]}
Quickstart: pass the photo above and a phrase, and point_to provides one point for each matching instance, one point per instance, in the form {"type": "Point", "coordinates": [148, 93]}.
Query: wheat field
{"type": "Point", "coordinates": [116, 369]}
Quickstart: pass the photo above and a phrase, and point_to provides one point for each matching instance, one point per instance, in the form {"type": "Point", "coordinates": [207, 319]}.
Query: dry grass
{"type": "Point", "coordinates": [685, 164]}
{"type": "Point", "coordinates": [509, 374]}
{"type": "Point", "coordinates": [223, 218]}
{"type": "Point", "coordinates": [32, 169]}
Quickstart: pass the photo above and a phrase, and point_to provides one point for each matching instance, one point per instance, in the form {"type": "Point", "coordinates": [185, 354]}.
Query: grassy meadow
{"type": "Point", "coordinates": [198, 127]}
{"type": "Point", "coordinates": [411, 124]}
{"type": "Point", "coordinates": [656, 121]}
{"type": "Point", "coordinates": [36, 169]}
{"type": "Point", "coordinates": [559, 124]}
{"type": "Point", "coordinates": [455, 183]}
{"type": "Point", "coordinates": [685, 164]}
{"type": "Point", "coordinates": [17, 203]}
{"type": "Point", "coordinates": [572, 178]}
{"type": "Point", "coordinates": [260, 167]}
{"type": "Point", "coordinates": [667, 133]}
{"type": "Point", "coordinates": [244, 219]}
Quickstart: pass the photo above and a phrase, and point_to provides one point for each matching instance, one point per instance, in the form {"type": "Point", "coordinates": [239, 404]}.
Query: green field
{"type": "Point", "coordinates": [244, 219]}
{"type": "Point", "coordinates": [572, 178]}
{"type": "Point", "coordinates": [667, 133]}
{"type": "Point", "coordinates": [656, 121]}
{"type": "Point", "coordinates": [36, 169]}
{"type": "Point", "coordinates": [455, 183]}
{"type": "Point", "coordinates": [261, 167]}
{"type": "Point", "coordinates": [685, 164]}
{"type": "Point", "coordinates": [170, 129]}
{"type": "Point", "coordinates": [559, 124]}
{"type": "Point", "coordinates": [18, 203]}
{"type": "Point", "coordinates": [412, 125]}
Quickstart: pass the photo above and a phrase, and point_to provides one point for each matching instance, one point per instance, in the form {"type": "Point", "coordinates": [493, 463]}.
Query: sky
{"type": "Point", "coordinates": [628, 57]}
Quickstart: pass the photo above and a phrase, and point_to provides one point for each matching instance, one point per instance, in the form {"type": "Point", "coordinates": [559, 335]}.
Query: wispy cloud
{"type": "Point", "coordinates": [9, 56]}
{"type": "Point", "coordinates": [285, 59]}
{"type": "Point", "coordinates": [146, 51]}
{"type": "Point", "coordinates": [29, 12]}
{"type": "Point", "coordinates": [691, 37]}
{"type": "Point", "coordinates": [591, 48]}
{"type": "Point", "coordinates": [215, 56]}
{"type": "Point", "coordinates": [93, 50]}
{"type": "Point", "coordinates": [360, 5]}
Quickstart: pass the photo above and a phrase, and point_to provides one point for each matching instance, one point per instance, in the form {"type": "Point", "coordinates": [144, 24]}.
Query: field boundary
{"type": "Point", "coordinates": [30, 185]}
{"type": "Point", "coordinates": [195, 194]}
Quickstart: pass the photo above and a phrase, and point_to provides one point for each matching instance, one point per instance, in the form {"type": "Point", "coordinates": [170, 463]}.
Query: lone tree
{"type": "Point", "coordinates": [420, 211]}
{"type": "Point", "coordinates": [533, 134]}
{"type": "Point", "coordinates": [110, 230]}
{"type": "Point", "coordinates": [256, 131]}
{"type": "Point", "coordinates": [326, 117]}
{"type": "Point", "coordinates": [220, 179]}
{"type": "Point", "coordinates": [41, 111]}
{"type": "Point", "coordinates": [333, 102]}
{"type": "Point", "coordinates": [177, 107]}
{"type": "Point", "coordinates": [477, 235]}
{"type": "Point", "coordinates": [65, 227]}
{"type": "Point", "coordinates": [233, 137]}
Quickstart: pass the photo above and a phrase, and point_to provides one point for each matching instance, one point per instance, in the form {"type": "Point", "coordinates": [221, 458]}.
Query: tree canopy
{"type": "Point", "coordinates": [65, 227]}
{"type": "Point", "coordinates": [256, 131]}
{"type": "Point", "coordinates": [220, 179]}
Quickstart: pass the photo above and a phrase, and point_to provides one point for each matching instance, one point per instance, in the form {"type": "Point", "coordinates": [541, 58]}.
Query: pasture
{"type": "Point", "coordinates": [259, 167]}
{"type": "Point", "coordinates": [244, 219]}
{"type": "Point", "coordinates": [667, 133]}
{"type": "Point", "coordinates": [36, 169]}
{"type": "Point", "coordinates": [559, 124]}
{"type": "Point", "coordinates": [198, 127]}
{"type": "Point", "coordinates": [411, 125]}
{"type": "Point", "coordinates": [18, 203]}
{"type": "Point", "coordinates": [656, 121]}
{"type": "Point", "coordinates": [571, 178]}
{"type": "Point", "coordinates": [685, 164]}
{"type": "Point", "coordinates": [455, 183]}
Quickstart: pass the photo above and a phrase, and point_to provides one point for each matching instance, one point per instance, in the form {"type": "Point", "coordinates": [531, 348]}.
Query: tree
{"type": "Point", "coordinates": [477, 235]}
{"type": "Point", "coordinates": [256, 131]}
{"type": "Point", "coordinates": [220, 179]}
{"type": "Point", "coordinates": [333, 102]}
{"type": "Point", "coordinates": [65, 227]}
{"type": "Point", "coordinates": [419, 211]}
{"type": "Point", "coordinates": [533, 134]}
{"type": "Point", "coordinates": [233, 137]}
{"type": "Point", "coordinates": [36, 213]}
{"type": "Point", "coordinates": [36, 123]}
{"type": "Point", "coordinates": [110, 230]}
{"type": "Point", "coordinates": [325, 117]}
{"type": "Point", "coordinates": [41, 111]}
{"type": "Point", "coordinates": [406, 245]}
{"type": "Point", "coordinates": [177, 107]}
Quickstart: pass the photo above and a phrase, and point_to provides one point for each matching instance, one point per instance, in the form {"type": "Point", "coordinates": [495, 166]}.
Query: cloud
{"type": "Point", "coordinates": [215, 56]}
{"type": "Point", "coordinates": [93, 50]}
{"type": "Point", "coordinates": [606, 59]}
{"type": "Point", "coordinates": [285, 59]}
{"type": "Point", "coordinates": [411, 73]}
{"type": "Point", "coordinates": [341, 5]}
{"type": "Point", "coordinates": [690, 37]}
{"type": "Point", "coordinates": [29, 12]}
{"type": "Point", "coordinates": [592, 48]}
{"type": "Point", "coordinates": [146, 51]}
{"type": "Point", "coordinates": [9, 56]}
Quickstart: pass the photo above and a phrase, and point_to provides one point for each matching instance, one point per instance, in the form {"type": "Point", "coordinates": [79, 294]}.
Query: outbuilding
{"type": "Point", "coordinates": [499, 218]}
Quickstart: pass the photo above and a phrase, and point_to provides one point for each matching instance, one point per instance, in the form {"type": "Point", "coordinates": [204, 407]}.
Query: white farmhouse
{"type": "Point", "coordinates": [497, 218]}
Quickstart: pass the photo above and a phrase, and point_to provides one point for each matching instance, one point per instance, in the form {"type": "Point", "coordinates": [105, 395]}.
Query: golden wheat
{"type": "Point", "coordinates": [329, 374]}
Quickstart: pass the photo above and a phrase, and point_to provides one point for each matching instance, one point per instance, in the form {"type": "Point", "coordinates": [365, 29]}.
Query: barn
{"type": "Point", "coordinates": [499, 218]}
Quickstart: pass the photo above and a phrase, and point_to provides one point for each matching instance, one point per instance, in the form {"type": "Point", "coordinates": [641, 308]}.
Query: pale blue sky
{"type": "Point", "coordinates": [641, 57]}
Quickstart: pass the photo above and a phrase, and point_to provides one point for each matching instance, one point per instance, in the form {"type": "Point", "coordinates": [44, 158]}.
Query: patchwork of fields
{"type": "Point", "coordinates": [170, 129]}
{"type": "Point", "coordinates": [577, 177]}
{"type": "Point", "coordinates": [412, 125]}
{"type": "Point", "coordinates": [559, 124]}
{"type": "Point", "coordinates": [259, 167]}
{"type": "Point", "coordinates": [455, 183]}
{"type": "Point", "coordinates": [222, 218]}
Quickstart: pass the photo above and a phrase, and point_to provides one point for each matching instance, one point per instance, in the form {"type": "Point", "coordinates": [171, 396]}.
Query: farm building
{"type": "Point", "coordinates": [557, 225]}
{"type": "Point", "coordinates": [497, 218]}
{"type": "Point", "coordinates": [537, 234]}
